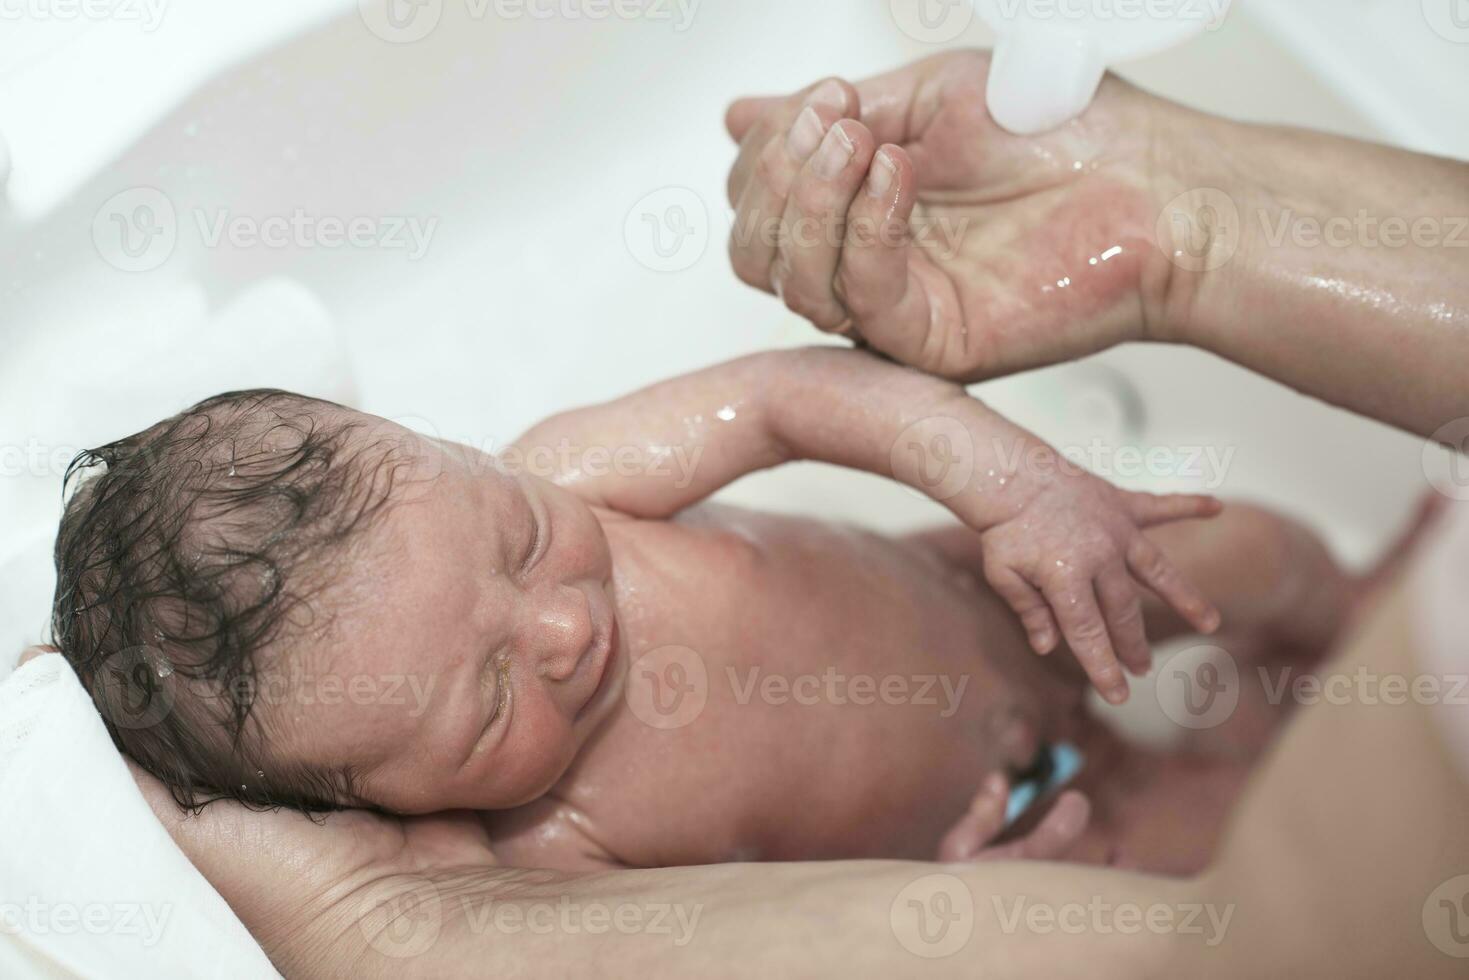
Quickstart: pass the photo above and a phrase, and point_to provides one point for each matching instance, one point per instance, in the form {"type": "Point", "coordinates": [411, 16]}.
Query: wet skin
{"type": "Point", "coordinates": [501, 592]}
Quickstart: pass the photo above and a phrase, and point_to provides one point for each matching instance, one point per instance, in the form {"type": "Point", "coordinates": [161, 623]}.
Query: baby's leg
{"type": "Point", "coordinates": [1272, 578]}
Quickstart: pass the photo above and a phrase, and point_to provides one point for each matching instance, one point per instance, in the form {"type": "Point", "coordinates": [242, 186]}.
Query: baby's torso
{"type": "Point", "coordinates": [795, 690]}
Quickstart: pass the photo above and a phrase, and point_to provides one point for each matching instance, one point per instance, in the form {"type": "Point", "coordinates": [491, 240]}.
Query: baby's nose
{"type": "Point", "coordinates": [560, 632]}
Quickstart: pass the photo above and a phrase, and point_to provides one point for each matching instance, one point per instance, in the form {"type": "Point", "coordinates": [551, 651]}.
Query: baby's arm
{"type": "Point", "coordinates": [1061, 546]}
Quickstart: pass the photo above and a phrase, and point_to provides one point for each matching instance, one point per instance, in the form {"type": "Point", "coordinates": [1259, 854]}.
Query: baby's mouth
{"type": "Point", "coordinates": [602, 665]}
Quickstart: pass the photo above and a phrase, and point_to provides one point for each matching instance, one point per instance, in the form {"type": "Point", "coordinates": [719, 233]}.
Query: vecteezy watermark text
{"type": "Point", "coordinates": [35, 917]}
{"type": "Point", "coordinates": [137, 230]}
{"type": "Point", "coordinates": [1103, 918]}
{"type": "Point", "coordinates": [147, 14]}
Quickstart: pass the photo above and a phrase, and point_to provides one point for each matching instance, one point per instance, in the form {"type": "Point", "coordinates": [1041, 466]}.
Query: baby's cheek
{"type": "Point", "coordinates": [526, 765]}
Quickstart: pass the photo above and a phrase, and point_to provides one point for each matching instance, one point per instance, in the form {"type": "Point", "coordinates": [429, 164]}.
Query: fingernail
{"type": "Point", "coordinates": [1116, 695]}
{"type": "Point", "coordinates": [805, 135]}
{"type": "Point", "coordinates": [880, 177]}
{"type": "Point", "coordinates": [834, 155]}
{"type": "Point", "coordinates": [829, 93]}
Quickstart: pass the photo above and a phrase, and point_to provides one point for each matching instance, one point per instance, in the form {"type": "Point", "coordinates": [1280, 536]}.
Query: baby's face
{"type": "Point", "coordinates": [480, 632]}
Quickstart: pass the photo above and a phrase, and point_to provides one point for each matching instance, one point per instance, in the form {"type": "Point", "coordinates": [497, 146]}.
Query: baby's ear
{"type": "Point", "coordinates": [32, 653]}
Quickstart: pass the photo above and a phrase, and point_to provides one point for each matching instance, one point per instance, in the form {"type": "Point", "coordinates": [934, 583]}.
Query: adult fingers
{"type": "Point", "coordinates": [755, 239]}
{"type": "Point", "coordinates": [833, 94]}
{"type": "Point", "coordinates": [815, 221]}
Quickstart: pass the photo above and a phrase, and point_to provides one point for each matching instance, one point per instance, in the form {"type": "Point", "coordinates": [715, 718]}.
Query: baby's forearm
{"type": "Point", "coordinates": [688, 437]}
{"type": "Point", "coordinates": [851, 409]}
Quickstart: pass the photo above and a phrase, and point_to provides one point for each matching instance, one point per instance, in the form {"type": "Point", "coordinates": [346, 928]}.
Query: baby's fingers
{"type": "Point", "coordinates": [1075, 606]}
{"type": "Point", "coordinates": [1029, 605]}
{"type": "Point", "coordinates": [980, 824]}
{"type": "Point", "coordinates": [1154, 570]}
{"type": "Point", "coordinates": [1149, 509]}
{"type": "Point", "coordinates": [1124, 610]}
{"type": "Point", "coordinates": [1053, 838]}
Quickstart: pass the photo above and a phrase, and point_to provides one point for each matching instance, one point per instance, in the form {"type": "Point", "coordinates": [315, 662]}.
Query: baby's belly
{"type": "Point", "coordinates": [846, 695]}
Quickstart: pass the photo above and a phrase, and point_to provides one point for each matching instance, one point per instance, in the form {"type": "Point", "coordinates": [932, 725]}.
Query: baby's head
{"type": "Point", "coordinates": [280, 600]}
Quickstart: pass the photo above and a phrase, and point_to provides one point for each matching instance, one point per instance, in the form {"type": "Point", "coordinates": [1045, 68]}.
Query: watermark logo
{"type": "Point", "coordinates": [939, 692]}
{"type": "Point", "coordinates": [130, 691]}
{"type": "Point", "coordinates": [35, 917]}
{"type": "Point", "coordinates": [933, 917]}
{"type": "Point", "coordinates": [1446, 917]}
{"type": "Point", "coordinates": [401, 21]}
{"type": "Point", "coordinates": [1446, 459]}
{"type": "Point", "coordinates": [934, 456]}
{"type": "Point", "coordinates": [1364, 686]}
{"type": "Point", "coordinates": [1363, 230]}
{"type": "Point", "coordinates": [1200, 230]}
{"type": "Point", "coordinates": [1449, 19]}
{"type": "Point", "coordinates": [1208, 466]}
{"type": "Point", "coordinates": [136, 230]}
{"type": "Point", "coordinates": [932, 21]}
{"type": "Point", "coordinates": [147, 14]}
{"type": "Point", "coordinates": [667, 688]}
{"type": "Point", "coordinates": [1211, 13]}
{"type": "Point", "coordinates": [1099, 917]}
{"type": "Point", "coordinates": [1198, 688]}
{"type": "Point", "coordinates": [35, 458]}
{"type": "Point", "coordinates": [401, 917]}
{"type": "Point", "coordinates": [675, 921]}
{"type": "Point", "coordinates": [668, 230]}
{"type": "Point", "coordinates": [406, 21]}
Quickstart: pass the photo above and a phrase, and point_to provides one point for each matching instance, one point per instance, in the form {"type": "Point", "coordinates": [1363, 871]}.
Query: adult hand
{"type": "Point", "coordinates": [318, 894]}
{"type": "Point", "coordinates": [942, 240]}
{"type": "Point", "coordinates": [896, 210]}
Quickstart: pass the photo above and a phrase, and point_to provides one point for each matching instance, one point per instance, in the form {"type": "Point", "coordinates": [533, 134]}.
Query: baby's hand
{"type": "Point", "coordinates": [973, 836]}
{"type": "Point", "coordinates": [1074, 555]}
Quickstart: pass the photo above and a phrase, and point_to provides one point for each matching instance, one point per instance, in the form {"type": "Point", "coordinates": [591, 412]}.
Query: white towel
{"type": "Point", "coordinates": [91, 884]}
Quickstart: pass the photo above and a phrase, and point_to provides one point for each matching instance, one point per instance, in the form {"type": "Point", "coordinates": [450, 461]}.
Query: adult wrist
{"type": "Point", "coordinates": [1204, 188]}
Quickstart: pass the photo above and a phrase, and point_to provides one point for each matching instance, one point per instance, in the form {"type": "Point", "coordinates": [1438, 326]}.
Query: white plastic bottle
{"type": "Point", "coordinates": [1050, 55]}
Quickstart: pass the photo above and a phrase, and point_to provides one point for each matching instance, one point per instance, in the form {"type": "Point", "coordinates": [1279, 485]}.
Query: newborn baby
{"type": "Point", "coordinates": [291, 603]}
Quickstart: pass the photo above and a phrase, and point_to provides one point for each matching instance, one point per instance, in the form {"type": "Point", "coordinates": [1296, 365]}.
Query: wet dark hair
{"type": "Point", "coordinates": [187, 549]}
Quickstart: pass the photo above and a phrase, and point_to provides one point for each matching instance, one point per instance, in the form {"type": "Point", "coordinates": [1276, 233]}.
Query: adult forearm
{"type": "Point", "coordinates": [1338, 267]}
{"type": "Point", "coordinates": [854, 919]}
{"type": "Point", "coordinates": [1335, 854]}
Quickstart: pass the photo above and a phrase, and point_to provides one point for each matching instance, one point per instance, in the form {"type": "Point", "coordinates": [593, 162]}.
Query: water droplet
{"type": "Point", "coordinates": [727, 413]}
{"type": "Point", "coordinates": [163, 669]}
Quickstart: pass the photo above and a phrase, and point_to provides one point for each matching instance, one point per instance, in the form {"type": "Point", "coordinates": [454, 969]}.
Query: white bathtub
{"type": "Point", "coordinates": [539, 149]}
{"type": "Point", "coordinates": [529, 144]}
